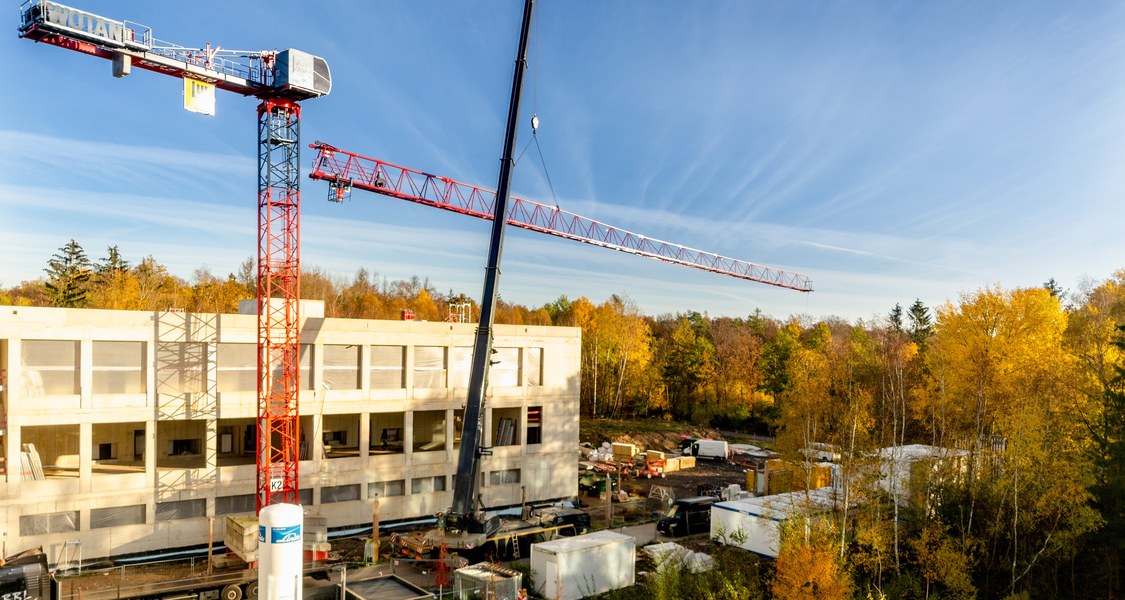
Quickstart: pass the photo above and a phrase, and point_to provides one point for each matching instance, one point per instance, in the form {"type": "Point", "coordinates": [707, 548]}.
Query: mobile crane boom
{"type": "Point", "coordinates": [344, 170]}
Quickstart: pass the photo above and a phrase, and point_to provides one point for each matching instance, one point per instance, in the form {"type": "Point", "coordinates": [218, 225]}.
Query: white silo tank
{"type": "Point", "coordinates": [280, 552]}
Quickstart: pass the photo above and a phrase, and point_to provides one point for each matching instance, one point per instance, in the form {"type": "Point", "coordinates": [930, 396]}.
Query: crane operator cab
{"type": "Point", "coordinates": [687, 516]}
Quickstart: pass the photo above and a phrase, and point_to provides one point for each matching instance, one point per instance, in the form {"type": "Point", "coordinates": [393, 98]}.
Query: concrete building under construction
{"type": "Point", "coordinates": [127, 431]}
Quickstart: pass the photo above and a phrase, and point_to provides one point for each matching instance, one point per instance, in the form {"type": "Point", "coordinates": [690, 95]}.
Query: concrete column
{"type": "Point", "coordinates": [211, 439]}
{"type": "Point", "coordinates": [13, 387]}
{"type": "Point", "coordinates": [408, 371]}
{"type": "Point", "coordinates": [408, 436]}
{"type": "Point", "coordinates": [85, 372]}
{"type": "Point", "coordinates": [449, 433]}
{"type": "Point", "coordinates": [15, 465]}
{"type": "Point", "coordinates": [365, 367]}
{"type": "Point", "coordinates": [85, 455]}
{"type": "Point", "coordinates": [522, 429]}
{"type": "Point", "coordinates": [317, 439]}
{"type": "Point", "coordinates": [150, 451]}
{"type": "Point", "coordinates": [150, 372]}
{"type": "Point", "coordinates": [364, 436]}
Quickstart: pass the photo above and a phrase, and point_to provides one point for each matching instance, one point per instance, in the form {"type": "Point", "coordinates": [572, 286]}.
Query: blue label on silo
{"type": "Point", "coordinates": [281, 535]}
{"type": "Point", "coordinates": [261, 534]}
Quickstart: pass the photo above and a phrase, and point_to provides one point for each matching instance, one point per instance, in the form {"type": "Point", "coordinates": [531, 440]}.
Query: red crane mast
{"type": "Point", "coordinates": [344, 170]}
{"type": "Point", "coordinates": [281, 80]}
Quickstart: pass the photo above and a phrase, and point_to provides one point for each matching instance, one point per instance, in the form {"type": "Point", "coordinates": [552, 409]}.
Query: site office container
{"type": "Point", "coordinates": [586, 565]}
{"type": "Point", "coordinates": [755, 524]}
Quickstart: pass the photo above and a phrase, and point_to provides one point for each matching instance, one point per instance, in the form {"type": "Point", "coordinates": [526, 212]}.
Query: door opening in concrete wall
{"type": "Point", "coordinates": [429, 430]}
{"type": "Point", "coordinates": [51, 451]}
{"type": "Point", "coordinates": [180, 444]}
{"type": "Point", "coordinates": [387, 433]}
{"type": "Point", "coordinates": [341, 436]}
{"type": "Point", "coordinates": [116, 446]}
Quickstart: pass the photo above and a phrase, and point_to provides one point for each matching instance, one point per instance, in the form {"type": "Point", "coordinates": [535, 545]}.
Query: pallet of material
{"type": "Point", "coordinates": [687, 462]}
{"type": "Point", "coordinates": [655, 455]}
{"type": "Point", "coordinates": [624, 452]}
{"type": "Point", "coordinates": [241, 537]}
{"type": "Point", "coordinates": [671, 465]}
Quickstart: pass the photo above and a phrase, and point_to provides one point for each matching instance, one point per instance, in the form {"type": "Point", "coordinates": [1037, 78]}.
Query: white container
{"type": "Point", "coordinates": [754, 524]}
{"type": "Point", "coordinates": [575, 567]}
{"type": "Point", "coordinates": [280, 552]}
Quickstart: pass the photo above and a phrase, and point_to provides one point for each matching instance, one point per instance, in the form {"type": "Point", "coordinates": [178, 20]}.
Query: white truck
{"type": "Point", "coordinates": [706, 449]}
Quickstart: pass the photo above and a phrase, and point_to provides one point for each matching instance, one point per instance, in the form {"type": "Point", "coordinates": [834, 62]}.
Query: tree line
{"type": "Point", "coordinates": [1026, 386]}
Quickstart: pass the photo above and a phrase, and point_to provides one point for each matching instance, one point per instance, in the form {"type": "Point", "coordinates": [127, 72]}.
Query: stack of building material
{"type": "Point", "coordinates": [671, 465]}
{"type": "Point", "coordinates": [316, 539]}
{"type": "Point", "coordinates": [505, 432]}
{"type": "Point", "coordinates": [31, 465]}
{"type": "Point", "coordinates": [672, 556]}
{"type": "Point", "coordinates": [241, 537]}
{"type": "Point", "coordinates": [623, 452]}
{"type": "Point", "coordinates": [656, 455]}
{"type": "Point", "coordinates": [687, 462]}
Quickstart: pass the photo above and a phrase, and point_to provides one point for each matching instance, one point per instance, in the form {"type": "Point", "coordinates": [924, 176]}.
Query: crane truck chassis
{"type": "Point", "coordinates": [27, 576]}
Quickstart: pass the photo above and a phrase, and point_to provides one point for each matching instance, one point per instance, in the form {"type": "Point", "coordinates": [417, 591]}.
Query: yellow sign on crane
{"type": "Point", "coordinates": [199, 96]}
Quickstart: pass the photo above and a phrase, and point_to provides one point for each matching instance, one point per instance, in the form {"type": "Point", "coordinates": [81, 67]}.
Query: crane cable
{"type": "Point", "coordinates": [535, 117]}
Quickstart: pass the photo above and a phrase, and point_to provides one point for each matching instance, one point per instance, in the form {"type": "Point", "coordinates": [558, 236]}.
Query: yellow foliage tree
{"type": "Point", "coordinates": [808, 567]}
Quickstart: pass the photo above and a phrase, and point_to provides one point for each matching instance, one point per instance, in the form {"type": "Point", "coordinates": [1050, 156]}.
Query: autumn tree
{"type": "Point", "coordinates": [1024, 501]}
{"type": "Point", "coordinates": [1094, 338]}
{"type": "Point", "coordinates": [68, 276]}
{"type": "Point", "coordinates": [808, 565]}
{"type": "Point", "coordinates": [737, 399]}
{"type": "Point", "coordinates": [687, 358]}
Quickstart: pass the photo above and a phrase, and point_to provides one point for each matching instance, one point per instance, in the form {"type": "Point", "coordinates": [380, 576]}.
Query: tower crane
{"type": "Point", "coordinates": [344, 170]}
{"type": "Point", "coordinates": [281, 80]}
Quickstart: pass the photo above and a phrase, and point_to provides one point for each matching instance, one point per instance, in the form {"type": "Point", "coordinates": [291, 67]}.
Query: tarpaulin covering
{"type": "Point", "coordinates": [460, 363]}
{"type": "Point", "coordinates": [116, 516]}
{"type": "Point", "coordinates": [339, 493]}
{"type": "Point", "coordinates": [119, 367]}
{"type": "Point", "coordinates": [58, 522]}
{"type": "Point", "coordinates": [505, 372]}
{"type": "Point", "coordinates": [341, 367]}
{"type": "Point", "coordinates": [429, 366]}
{"type": "Point", "coordinates": [237, 368]}
{"type": "Point", "coordinates": [534, 365]}
{"type": "Point", "coordinates": [50, 367]}
{"type": "Point", "coordinates": [387, 367]}
{"type": "Point", "coordinates": [181, 509]}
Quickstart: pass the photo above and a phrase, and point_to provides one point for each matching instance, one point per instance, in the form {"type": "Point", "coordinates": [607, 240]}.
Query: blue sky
{"type": "Point", "coordinates": [889, 151]}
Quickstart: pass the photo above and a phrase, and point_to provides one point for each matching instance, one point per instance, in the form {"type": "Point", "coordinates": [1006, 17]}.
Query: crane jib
{"type": "Point", "coordinates": [347, 170]}
{"type": "Point", "coordinates": [70, 21]}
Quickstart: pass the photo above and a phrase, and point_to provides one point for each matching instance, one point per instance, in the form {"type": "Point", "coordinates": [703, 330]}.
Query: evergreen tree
{"type": "Point", "coordinates": [68, 274]}
{"type": "Point", "coordinates": [896, 317]}
{"type": "Point", "coordinates": [112, 263]}
{"type": "Point", "coordinates": [921, 323]}
{"type": "Point", "coordinates": [1056, 290]}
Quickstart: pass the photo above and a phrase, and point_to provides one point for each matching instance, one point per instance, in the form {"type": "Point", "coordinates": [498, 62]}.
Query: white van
{"type": "Point", "coordinates": [709, 449]}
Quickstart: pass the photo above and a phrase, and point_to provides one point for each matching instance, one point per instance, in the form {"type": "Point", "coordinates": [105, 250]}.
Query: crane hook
{"type": "Point", "coordinates": [534, 123]}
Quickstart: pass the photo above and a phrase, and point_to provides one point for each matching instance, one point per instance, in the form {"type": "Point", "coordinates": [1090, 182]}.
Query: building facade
{"type": "Point", "coordinates": [124, 432]}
